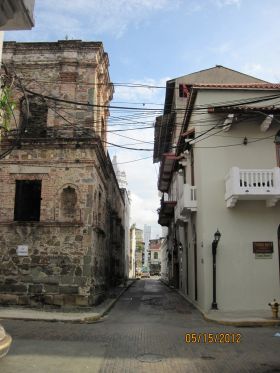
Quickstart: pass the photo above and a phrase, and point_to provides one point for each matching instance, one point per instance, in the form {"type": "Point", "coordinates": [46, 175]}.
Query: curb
{"type": "Point", "coordinates": [241, 323]}
{"type": "Point", "coordinates": [92, 319]}
{"type": "Point", "coordinates": [244, 323]}
{"type": "Point", "coordinates": [83, 320]}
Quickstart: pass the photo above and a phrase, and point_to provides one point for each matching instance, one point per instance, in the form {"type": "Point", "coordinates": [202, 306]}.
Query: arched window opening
{"type": "Point", "coordinates": [68, 204]}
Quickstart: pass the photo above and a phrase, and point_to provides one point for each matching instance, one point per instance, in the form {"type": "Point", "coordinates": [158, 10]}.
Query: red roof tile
{"type": "Point", "coordinates": [250, 85]}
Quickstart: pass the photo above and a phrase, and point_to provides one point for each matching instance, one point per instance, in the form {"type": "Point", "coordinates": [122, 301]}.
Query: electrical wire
{"type": "Point", "coordinates": [134, 160]}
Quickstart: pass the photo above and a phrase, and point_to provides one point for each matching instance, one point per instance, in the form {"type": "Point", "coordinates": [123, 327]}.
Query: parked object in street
{"type": "Point", "coordinates": [5, 342]}
{"type": "Point", "coordinates": [145, 273]}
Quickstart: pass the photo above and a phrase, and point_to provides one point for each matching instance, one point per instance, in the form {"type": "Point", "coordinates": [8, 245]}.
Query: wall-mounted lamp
{"type": "Point", "coordinates": [217, 236]}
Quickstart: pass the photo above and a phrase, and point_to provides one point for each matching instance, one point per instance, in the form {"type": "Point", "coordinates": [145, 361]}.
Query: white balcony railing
{"type": "Point", "coordinates": [188, 201]}
{"type": "Point", "coordinates": [252, 184]}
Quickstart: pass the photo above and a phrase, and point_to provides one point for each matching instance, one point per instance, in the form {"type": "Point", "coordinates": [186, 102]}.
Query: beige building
{"type": "Point", "coordinates": [154, 257]}
{"type": "Point", "coordinates": [220, 170]}
{"type": "Point", "coordinates": [62, 216]}
{"type": "Point", "coordinates": [140, 249]}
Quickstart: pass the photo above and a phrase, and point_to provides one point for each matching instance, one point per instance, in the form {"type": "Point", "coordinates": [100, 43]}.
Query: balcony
{"type": "Point", "coordinates": [252, 184]}
{"type": "Point", "coordinates": [166, 211]}
{"type": "Point", "coordinates": [188, 201]}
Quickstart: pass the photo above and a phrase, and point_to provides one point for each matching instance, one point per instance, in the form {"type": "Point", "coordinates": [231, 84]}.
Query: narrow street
{"type": "Point", "coordinates": [144, 332]}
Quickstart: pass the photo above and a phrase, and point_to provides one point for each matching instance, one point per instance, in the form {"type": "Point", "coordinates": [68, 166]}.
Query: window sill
{"type": "Point", "coordinates": [43, 223]}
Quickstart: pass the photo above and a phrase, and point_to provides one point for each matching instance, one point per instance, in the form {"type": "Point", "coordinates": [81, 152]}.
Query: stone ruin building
{"type": "Point", "coordinates": [62, 212]}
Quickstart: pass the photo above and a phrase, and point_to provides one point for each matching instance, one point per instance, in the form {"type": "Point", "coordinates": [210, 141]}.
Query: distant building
{"type": "Point", "coordinates": [140, 249]}
{"type": "Point", "coordinates": [147, 237]}
{"type": "Point", "coordinates": [155, 256]}
{"type": "Point", "coordinates": [165, 260]}
{"type": "Point", "coordinates": [122, 181]}
{"type": "Point", "coordinates": [120, 175]}
{"type": "Point", "coordinates": [132, 252]}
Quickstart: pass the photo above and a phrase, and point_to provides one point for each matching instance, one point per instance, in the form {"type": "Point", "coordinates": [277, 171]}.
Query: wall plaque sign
{"type": "Point", "coordinates": [262, 247]}
{"type": "Point", "coordinates": [22, 250]}
{"type": "Point", "coordinates": [263, 256]}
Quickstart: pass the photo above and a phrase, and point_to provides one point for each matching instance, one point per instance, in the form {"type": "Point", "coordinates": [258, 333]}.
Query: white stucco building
{"type": "Point", "coordinates": [132, 263]}
{"type": "Point", "coordinates": [122, 181]}
{"type": "Point", "coordinates": [220, 170]}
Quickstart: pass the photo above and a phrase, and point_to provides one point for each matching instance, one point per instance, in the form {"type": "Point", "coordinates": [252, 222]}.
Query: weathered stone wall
{"type": "Point", "coordinates": [75, 250]}
{"type": "Point", "coordinates": [70, 70]}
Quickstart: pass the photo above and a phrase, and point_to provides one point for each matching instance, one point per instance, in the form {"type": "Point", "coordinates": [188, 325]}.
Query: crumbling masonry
{"type": "Point", "coordinates": [61, 216]}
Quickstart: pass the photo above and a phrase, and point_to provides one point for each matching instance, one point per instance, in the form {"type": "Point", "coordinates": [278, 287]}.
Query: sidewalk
{"type": "Point", "coordinates": [242, 318]}
{"type": "Point", "coordinates": [236, 318]}
{"type": "Point", "coordinates": [95, 314]}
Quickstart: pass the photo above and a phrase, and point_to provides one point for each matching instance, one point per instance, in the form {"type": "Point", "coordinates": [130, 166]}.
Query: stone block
{"type": "Point", "coordinates": [48, 299]}
{"type": "Point", "coordinates": [10, 281]}
{"type": "Point", "coordinates": [69, 300]}
{"type": "Point", "coordinates": [54, 280]}
{"type": "Point", "coordinates": [58, 300]}
{"type": "Point", "coordinates": [13, 288]}
{"type": "Point", "coordinates": [51, 288]}
{"type": "Point", "coordinates": [7, 299]}
{"type": "Point", "coordinates": [66, 280]}
{"type": "Point", "coordinates": [82, 300]}
{"type": "Point", "coordinates": [36, 300]}
{"type": "Point", "coordinates": [80, 281]}
{"type": "Point", "coordinates": [35, 289]}
{"type": "Point", "coordinates": [68, 289]}
{"type": "Point", "coordinates": [23, 300]}
{"type": "Point", "coordinates": [18, 288]}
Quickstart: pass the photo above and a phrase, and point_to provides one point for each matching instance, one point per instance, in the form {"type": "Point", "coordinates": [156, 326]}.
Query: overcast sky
{"type": "Point", "coordinates": [150, 41]}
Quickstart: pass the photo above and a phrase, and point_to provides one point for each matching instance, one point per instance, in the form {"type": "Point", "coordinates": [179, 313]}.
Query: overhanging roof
{"type": "Point", "coordinates": [244, 109]}
{"type": "Point", "coordinates": [266, 86]}
{"type": "Point", "coordinates": [17, 15]}
{"type": "Point", "coordinates": [165, 171]}
{"type": "Point", "coordinates": [162, 135]}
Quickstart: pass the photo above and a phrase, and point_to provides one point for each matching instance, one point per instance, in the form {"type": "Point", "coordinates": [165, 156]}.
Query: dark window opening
{"type": "Point", "coordinates": [34, 120]}
{"type": "Point", "coordinates": [27, 200]}
{"type": "Point", "coordinates": [183, 90]}
{"type": "Point", "coordinates": [103, 132]}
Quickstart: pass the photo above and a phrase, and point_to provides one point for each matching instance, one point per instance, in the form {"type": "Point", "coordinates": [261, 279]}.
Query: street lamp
{"type": "Point", "coordinates": [215, 242]}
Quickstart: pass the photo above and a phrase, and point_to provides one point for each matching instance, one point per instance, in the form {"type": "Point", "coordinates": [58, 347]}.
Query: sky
{"type": "Point", "coordinates": [149, 42]}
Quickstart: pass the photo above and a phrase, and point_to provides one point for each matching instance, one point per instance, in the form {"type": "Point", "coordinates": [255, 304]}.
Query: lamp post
{"type": "Point", "coordinates": [215, 242]}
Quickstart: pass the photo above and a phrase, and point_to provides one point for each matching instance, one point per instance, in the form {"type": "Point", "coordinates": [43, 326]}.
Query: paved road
{"type": "Point", "coordinates": [144, 332]}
